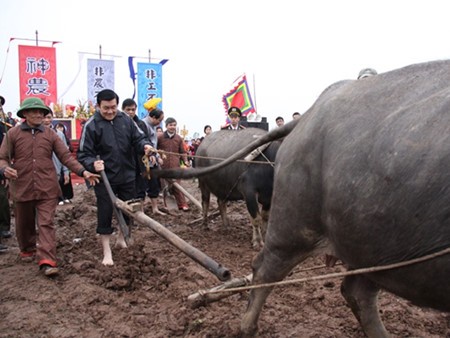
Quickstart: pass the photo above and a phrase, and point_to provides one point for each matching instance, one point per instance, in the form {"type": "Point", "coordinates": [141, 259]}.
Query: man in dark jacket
{"type": "Point", "coordinates": [5, 213]}
{"type": "Point", "coordinates": [146, 184]}
{"type": "Point", "coordinates": [115, 138]}
{"type": "Point", "coordinates": [129, 107]}
{"type": "Point", "coordinates": [234, 115]}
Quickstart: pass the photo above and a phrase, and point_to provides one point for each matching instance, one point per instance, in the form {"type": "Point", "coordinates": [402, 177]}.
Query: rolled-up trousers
{"type": "Point", "coordinates": [124, 192]}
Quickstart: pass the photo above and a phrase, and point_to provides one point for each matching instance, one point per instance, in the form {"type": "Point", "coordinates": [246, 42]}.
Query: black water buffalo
{"type": "Point", "coordinates": [249, 181]}
{"type": "Point", "coordinates": [369, 182]}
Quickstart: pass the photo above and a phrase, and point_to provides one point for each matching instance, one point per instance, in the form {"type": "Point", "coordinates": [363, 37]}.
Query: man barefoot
{"type": "Point", "coordinates": [107, 253]}
{"type": "Point", "coordinates": [115, 138]}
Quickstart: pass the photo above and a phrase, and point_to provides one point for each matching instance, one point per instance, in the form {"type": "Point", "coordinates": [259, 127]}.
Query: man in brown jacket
{"type": "Point", "coordinates": [26, 160]}
{"type": "Point", "coordinates": [173, 144]}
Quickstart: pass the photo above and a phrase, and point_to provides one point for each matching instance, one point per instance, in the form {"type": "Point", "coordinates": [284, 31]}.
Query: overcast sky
{"type": "Point", "coordinates": [289, 50]}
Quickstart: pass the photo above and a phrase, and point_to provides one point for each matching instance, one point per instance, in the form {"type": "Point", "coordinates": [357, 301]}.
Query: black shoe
{"type": "Point", "coordinates": [3, 248]}
{"type": "Point", "coordinates": [5, 234]}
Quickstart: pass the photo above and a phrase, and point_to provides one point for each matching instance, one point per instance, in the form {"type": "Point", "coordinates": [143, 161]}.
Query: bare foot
{"type": "Point", "coordinates": [155, 208]}
{"type": "Point", "coordinates": [107, 254]}
{"type": "Point", "coordinates": [159, 212]}
{"type": "Point", "coordinates": [107, 261]}
{"type": "Point", "coordinates": [120, 242]}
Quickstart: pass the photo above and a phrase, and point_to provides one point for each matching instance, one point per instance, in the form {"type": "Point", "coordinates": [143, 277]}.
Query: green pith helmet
{"type": "Point", "coordinates": [32, 103]}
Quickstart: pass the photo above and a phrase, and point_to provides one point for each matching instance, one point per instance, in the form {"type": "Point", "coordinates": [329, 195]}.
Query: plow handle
{"type": "Point", "coordinates": [222, 273]}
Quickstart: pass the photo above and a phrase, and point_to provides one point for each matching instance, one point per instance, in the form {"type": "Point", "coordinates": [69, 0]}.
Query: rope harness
{"type": "Point", "coordinates": [146, 160]}
{"type": "Point", "coordinates": [164, 154]}
{"type": "Point", "coordinates": [335, 275]}
{"type": "Point", "coordinates": [306, 279]}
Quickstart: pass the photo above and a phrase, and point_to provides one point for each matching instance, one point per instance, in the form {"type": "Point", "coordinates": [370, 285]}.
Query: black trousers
{"type": "Point", "coordinates": [5, 214]}
{"type": "Point", "coordinates": [124, 192]}
{"type": "Point", "coordinates": [66, 189]}
{"type": "Point", "coordinates": [147, 187]}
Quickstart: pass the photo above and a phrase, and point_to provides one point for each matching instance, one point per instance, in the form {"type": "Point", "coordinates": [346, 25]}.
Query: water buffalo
{"type": "Point", "coordinates": [365, 175]}
{"type": "Point", "coordinates": [240, 180]}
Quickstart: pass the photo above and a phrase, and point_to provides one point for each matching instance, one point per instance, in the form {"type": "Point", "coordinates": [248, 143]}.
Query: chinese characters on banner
{"type": "Point", "coordinates": [149, 78]}
{"type": "Point", "coordinates": [37, 73]}
{"type": "Point", "coordinates": [100, 75]}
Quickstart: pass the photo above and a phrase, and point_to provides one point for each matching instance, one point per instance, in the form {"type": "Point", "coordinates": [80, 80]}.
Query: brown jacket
{"type": "Point", "coordinates": [172, 145]}
{"type": "Point", "coordinates": [30, 152]}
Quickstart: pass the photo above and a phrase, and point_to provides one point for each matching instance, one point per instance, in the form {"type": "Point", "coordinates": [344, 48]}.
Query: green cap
{"type": "Point", "coordinates": [32, 103]}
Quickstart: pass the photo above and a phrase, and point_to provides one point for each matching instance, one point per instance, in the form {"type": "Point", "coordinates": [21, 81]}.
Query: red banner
{"type": "Point", "coordinates": [37, 73]}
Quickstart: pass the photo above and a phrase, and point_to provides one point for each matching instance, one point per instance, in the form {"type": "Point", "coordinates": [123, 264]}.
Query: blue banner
{"type": "Point", "coordinates": [149, 79]}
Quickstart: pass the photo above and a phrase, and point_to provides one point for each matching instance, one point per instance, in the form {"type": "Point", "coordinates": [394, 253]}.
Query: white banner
{"type": "Point", "coordinates": [100, 75]}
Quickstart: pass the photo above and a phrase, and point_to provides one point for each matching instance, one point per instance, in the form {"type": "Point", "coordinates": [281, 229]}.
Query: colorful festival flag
{"type": "Point", "coordinates": [239, 97]}
{"type": "Point", "coordinates": [37, 73]}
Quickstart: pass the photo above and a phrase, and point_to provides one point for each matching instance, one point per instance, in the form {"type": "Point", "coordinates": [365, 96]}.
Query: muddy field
{"type": "Point", "coordinates": [145, 293]}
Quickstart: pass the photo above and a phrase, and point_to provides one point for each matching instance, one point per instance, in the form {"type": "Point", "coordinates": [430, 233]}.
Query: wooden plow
{"type": "Point", "coordinates": [169, 200]}
{"type": "Point", "coordinates": [204, 297]}
{"type": "Point", "coordinates": [135, 212]}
